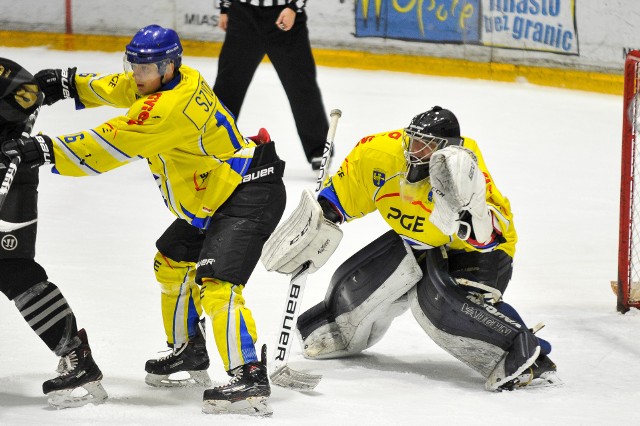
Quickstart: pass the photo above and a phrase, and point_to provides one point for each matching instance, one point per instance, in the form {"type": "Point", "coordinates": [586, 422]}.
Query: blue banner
{"type": "Point", "coordinates": [449, 21]}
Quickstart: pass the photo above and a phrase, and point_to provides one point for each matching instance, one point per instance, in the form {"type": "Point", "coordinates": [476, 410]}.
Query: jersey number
{"type": "Point", "coordinates": [201, 105]}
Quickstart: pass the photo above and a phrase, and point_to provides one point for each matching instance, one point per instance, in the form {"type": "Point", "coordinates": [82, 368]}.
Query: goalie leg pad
{"type": "Point", "coordinates": [366, 293]}
{"type": "Point", "coordinates": [496, 346]}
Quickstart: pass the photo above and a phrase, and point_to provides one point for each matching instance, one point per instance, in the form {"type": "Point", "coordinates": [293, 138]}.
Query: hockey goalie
{"type": "Point", "coordinates": [448, 256]}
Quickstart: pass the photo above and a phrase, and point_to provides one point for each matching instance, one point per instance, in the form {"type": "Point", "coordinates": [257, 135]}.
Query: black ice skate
{"type": "Point", "coordinates": [77, 371]}
{"type": "Point", "coordinates": [543, 372]}
{"type": "Point", "coordinates": [246, 393]}
{"type": "Point", "coordinates": [517, 361]}
{"type": "Point", "coordinates": [190, 359]}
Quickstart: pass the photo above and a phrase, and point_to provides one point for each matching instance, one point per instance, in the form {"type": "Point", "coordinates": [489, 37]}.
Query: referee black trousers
{"type": "Point", "coordinates": [252, 34]}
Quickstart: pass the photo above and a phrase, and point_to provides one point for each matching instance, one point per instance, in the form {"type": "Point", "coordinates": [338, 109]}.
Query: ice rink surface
{"type": "Point", "coordinates": [554, 153]}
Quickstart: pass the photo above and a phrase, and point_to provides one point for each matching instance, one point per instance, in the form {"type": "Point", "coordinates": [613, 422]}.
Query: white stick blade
{"type": "Point", "coordinates": [296, 380]}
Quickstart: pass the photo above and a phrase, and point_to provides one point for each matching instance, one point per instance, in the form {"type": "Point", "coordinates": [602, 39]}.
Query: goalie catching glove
{"type": "Point", "coordinates": [306, 236]}
{"type": "Point", "coordinates": [458, 187]}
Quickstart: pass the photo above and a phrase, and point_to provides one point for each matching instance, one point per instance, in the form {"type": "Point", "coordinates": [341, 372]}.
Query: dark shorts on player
{"type": "Point", "coordinates": [230, 247]}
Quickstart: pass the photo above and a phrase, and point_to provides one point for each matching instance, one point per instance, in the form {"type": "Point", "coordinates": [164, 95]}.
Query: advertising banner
{"type": "Point", "coordinates": [448, 21]}
{"type": "Point", "coordinates": [536, 25]}
{"type": "Point", "coordinates": [545, 25]}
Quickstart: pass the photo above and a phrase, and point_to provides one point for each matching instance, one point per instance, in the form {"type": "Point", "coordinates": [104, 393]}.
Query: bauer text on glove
{"type": "Point", "coordinates": [57, 84]}
{"type": "Point", "coordinates": [34, 151]}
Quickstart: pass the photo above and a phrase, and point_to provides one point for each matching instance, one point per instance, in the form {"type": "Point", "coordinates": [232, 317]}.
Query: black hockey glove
{"type": "Point", "coordinates": [57, 84]}
{"type": "Point", "coordinates": [33, 151]}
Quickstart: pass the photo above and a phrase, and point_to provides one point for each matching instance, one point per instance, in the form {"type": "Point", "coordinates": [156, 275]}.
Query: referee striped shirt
{"type": "Point", "coordinates": [296, 5]}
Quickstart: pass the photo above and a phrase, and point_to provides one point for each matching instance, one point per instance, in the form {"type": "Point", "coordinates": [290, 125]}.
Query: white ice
{"type": "Point", "coordinates": [553, 152]}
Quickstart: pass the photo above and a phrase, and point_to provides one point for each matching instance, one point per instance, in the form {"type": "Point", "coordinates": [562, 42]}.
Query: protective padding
{"type": "Point", "coordinates": [180, 298]}
{"type": "Point", "coordinates": [19, 275]}
{"type": "Point", "coordinates": [470, 330]}
{"type": "Point", "coordinates": [366, 293]}
{"type": "Point", "coordinates": [19, 218]}
{"type": "Point", "coordinates": [305, 236]}
{"type": "Point", "coordinates": [234, 328]}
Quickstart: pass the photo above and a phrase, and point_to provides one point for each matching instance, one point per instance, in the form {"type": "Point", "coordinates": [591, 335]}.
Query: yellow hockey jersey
{"type": "Point", "coordinates": [369, 180]}
{"type": "Point", "coordinates": [194, 150]}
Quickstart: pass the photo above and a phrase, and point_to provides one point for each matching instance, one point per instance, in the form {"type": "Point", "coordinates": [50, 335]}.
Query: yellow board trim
{"type": "Point", "coordinates": [552, 77]}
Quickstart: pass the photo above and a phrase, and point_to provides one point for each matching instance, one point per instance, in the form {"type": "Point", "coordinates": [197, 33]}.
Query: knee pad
{"type": "Point", "coordinates": [476, 333]}
{"type": "Point", "coordinates": [171, 273]}
{"type": "Point", "coordinates": [365, 294]}
{"type": "Point", "coordinates": [19, 275]}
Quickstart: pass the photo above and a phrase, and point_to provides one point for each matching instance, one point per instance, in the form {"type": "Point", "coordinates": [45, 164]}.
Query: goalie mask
{"type": "Point", "coordinates": [20, 96]}
{"type": "Point", "coordinates": [427, 133]}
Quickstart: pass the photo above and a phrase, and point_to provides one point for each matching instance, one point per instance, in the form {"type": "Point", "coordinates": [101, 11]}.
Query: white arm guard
{"type": "Point", "coordinates": [459, 185]}
{"type": "Point", "coordinates": [305, 236]}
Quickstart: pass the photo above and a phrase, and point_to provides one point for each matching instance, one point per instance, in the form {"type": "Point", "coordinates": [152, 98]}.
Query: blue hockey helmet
{"type": "Point", "coordinates": [154, 44]}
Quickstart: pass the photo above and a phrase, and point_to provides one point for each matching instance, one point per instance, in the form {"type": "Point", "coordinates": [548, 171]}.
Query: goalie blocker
{"type": "Point", "coordinates": [306, 236]}
{"type": "Point", "coordinates": [383, 280]}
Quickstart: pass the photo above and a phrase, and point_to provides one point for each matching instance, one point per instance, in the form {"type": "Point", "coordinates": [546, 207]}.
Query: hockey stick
{"type": "Point", "coordinates": [15, 162]}
{"type": "Point", "coordinates": [282, 374]}
{"type": "Point", "coordinates": [8, 179]}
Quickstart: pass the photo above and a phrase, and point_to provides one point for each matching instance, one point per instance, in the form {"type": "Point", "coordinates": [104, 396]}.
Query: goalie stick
{"type": "Point", "coordinates": [282, 374]}
{"type": "Point", "coordinates": [13, 168]}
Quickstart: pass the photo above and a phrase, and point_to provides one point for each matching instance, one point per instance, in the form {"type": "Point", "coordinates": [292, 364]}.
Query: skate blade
{"type": "Point", "coordinates": [90, 393]}
{"type": "Point", "coordinates": [196, 378]}
{"type": "Point", "coordinates": [498, 384]}
{"type": "Point", "coordinates": [297, 380]}
{"type": "Point", "coordinates": [254, 406]}
{"type": "Point", "coordinates": [547, 379]}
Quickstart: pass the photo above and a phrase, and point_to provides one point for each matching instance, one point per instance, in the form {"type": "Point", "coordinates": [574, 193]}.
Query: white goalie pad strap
{"type": "Point", "coordinates": [305, 236]}
{"type": "Point", "coordinates": [459, 185]}
{"type": "Point", "coordinates": [487, 291]}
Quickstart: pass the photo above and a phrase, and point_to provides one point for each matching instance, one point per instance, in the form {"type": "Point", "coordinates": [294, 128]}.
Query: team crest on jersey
{"type": "Point", "coordinates": [430, 196]}
{"type": "Point", "coordinates": [378, 177]}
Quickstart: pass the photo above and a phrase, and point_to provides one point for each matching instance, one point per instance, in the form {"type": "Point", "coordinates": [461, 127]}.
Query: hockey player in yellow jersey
{"type": "Point", "coordinates": [448, 256]}
{"type": "Point", "coordinates": [226, 191]}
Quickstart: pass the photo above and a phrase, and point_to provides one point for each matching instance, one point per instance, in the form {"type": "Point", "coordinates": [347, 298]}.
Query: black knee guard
{"type": "Point", "coordinates": [19, 275]}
